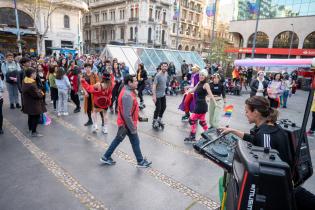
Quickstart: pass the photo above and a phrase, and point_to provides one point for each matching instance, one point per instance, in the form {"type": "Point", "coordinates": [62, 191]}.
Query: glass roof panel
{"type": "Point", "coordinates": [149, 66]}
{"type": "Point", "coordinates": [131, 56]}
{"type": "Point", "coordinates": [162, 56]}
{"type": "Point", "coordinates": [116, 52]}
{"type": "Point", "coordinates": [153, 56]}
{"type": "Point", "coordinates": [186, 57]}
{"type": "Point", "coordinates": [171, 58]}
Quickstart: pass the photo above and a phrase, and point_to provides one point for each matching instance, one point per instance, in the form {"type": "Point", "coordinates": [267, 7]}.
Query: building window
{"type": "Point", "coordinates": [131, 33]}
{"type": "Point", "coordinates": [112, 34]}
{"type": "Point", "coordinates": [149, 35]}
{"type": "Point", "coordinates": [137, 12]}
{"type": "Point", "coordinates": [309, 42]}
{"type": "Point", "coordinates": [283, 40]}
{"type": "Point", "coordinates": [136, 32]}
{"type": "Point", "coordinates": [122, 33]}
{"type": "Point", "coordinates": [150, 13]}
{"type": "Point", "coordinates": [97, 18]}
{"type": "Point", "coordinates": [66, 44]}
{"type": "Point", "coordinates": [66, 21]}
{"type": "Point", "coordinates": [164, 16]}
{"type": "Point", "coordinates": [174, 27]}
{"type": "Point", "coordinates": [131, 12]}
{"type": "Point", "coordinates": [104, 16]}
{"type": "Point", "coordinates": [262, 40]}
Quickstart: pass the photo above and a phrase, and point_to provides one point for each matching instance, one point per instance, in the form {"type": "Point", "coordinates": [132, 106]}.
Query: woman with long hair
{"type": "Point", "coordinates": [142, 76]}
{"type": "Point", "coordinates": [118, 79]}
{"type": "Point", "coordinates": [202, 90]}
{"type": "Point", "coordinates": [102, 97]}
{"type": "Point", "coordinates": [275, 90]}
{"type": "Point", "coordinates": [91, 78]}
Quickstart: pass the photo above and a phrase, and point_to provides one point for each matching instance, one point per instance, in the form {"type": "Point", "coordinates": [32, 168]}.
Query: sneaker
{"type": "Point", "coordinates": [65, 114]}
{"type": "Point", "coordinates": [108, 161]}
{"type": "Point", "coordinates": [12, 106]}
{"type": "Point", "coordinates": [190, 139]}
{"type": "Point", "coordinates": [88, 123]}
{"type": "Point", "coordinates": [51, 102]}
{"type": "Point", "coordinates": [155, 124]}
{"type": "Point", "coordinates": [36, 134]}
{"type": "Point", "coordinates": [144, 164]}
{"type": "Point", "coordinates": [59, 114]}
{"type": "Point", "coordinates": [76, 110]}
{"type": "Point", "coordinates": [105, 130]}
{"type": "Point", "coordinates": [94, 128]}
{"type": "Point", "coordinates": [18, 106]}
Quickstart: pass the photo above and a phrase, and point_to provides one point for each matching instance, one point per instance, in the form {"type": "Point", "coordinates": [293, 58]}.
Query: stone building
{"type": "Point", "coordinates": [42, 25]}
{"type": "Point", "coordinates": [131, 22]}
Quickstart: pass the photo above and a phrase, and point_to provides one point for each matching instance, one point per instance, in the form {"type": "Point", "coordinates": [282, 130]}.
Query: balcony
{"type": "Point", "coordinates": [151, 19]}
{"type": "Point", "coordinates": [133, 19]}
{"type": "Point", "coordinates": [150, 41]}
{"type": "Point", "coordinates": [164, 43]}
{"type": "Point", "coordinates": [105, 2]}
{"type": "Point", "coordinates": [164, 22]}
{"type": "Point", "coordinates": [132, 40]}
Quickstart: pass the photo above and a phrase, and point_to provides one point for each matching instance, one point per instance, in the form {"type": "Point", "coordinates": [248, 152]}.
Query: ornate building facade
{"type": "Point", "coordinates": [43, 24]}
{"type": "Point", "coordinates": [131, 22]}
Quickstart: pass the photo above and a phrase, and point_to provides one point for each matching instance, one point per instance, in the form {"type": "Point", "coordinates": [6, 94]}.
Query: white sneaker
{"type": "Point", "coordinates": [94, 128]}
{"type": "Point", "coordinates": [58, 114]}
{"type": "Point", "coordinates": [65, 114]}
{"type": "Point", "coordinates": [105, 130]}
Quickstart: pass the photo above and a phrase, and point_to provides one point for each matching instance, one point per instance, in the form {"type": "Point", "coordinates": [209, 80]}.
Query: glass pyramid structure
{"type": "Point", "coordinates": [151, 57]}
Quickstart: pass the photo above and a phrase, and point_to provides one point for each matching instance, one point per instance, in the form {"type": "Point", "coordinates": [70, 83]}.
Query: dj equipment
{"type": "Point", "coordinates": [218, 148]}
{"type": "Point", "coordinates": [260, 180]}
{"type": "Point", "coordinates": [302, 166]}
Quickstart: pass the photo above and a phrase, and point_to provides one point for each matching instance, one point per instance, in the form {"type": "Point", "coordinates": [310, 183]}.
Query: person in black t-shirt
{"type": "Point", "coordinates": [266, 133]}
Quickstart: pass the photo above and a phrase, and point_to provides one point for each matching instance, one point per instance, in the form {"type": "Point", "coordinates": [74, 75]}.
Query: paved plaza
{"type": "Point", "coordinates": [62, 171]}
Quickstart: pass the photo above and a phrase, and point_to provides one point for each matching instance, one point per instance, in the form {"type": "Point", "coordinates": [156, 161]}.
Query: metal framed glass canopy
{"type": "Point", "coordinates": [151, 57]}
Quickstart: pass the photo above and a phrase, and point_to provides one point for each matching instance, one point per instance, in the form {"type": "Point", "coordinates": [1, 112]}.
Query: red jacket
{"type": "Point", "coordinates": [134, 112]}
{"type": "Point", "coordinates": [101, 97]}
{"type": "Point", "coordinates": [74, 81]}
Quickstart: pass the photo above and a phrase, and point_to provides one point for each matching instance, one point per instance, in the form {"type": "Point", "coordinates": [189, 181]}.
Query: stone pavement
{"type": "Point", "coordinates": [62, 169]}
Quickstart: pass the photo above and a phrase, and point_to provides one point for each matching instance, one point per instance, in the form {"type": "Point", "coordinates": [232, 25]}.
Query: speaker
{"type": "Point", "coordinates": [260, 180]}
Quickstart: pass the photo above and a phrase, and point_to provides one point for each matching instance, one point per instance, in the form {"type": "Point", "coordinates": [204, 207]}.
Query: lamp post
{"type": "Point", "coordinates": [291, 42]}
{"type": "Point", "coordinates": [178, 17]}
{"type": "Point", "coordinates": [17, 27]}
{"type": "Point", "coordinates": [256, 28]}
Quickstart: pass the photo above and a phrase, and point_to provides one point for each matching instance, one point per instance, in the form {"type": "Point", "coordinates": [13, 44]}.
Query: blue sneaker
{"type": "Point", "coordinates": [107, 161]}
{"type": "Point", "coordinates": [144, 164]}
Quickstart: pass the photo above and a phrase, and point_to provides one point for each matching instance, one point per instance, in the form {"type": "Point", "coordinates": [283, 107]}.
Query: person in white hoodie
{"type": "Point", "coordinates": [63, 86]}
{"type": "Point", "coordinates": [1, 104]}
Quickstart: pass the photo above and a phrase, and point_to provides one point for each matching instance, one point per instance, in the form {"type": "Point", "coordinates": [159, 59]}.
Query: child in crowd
{"type": "Point", "coordinates": [63, 86]}
{"type": "Point", "coordinates": [183, 84]}
{"type": "Point", "coordinates": [53, 87]}
{"type": "Point", "coordinates": [174, 86]}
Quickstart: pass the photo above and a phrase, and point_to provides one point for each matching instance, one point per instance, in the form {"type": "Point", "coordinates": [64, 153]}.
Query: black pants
{"type": "Point", "coordinates": [89, 107]}
{"type": "Point", "coordinates": [1, 115]}
{"type": "Point", "coordinates": [115, 93]}
{"type": "Point", "coordinates": [313, 122]}
{"type": "Point", "coordinates": [54, 96]}
{"type": "Point", "coordinates": [75, 98]}
{"type": "Point", "coordinates": [140, 91]}
{"type": "Point", "coordinates": [160, 107]}
{"type": "Point", "coordinates": [33, 122]}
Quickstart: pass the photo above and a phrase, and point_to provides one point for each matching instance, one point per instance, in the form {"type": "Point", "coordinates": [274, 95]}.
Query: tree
{"type": "Point", "coordinates": [37, 8]}
{"type": "Point", "coordinates": [218, 54]}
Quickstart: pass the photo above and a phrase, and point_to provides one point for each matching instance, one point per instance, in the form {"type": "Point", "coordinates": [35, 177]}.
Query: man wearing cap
{"type": "Point", "coordinates": [10, 70]}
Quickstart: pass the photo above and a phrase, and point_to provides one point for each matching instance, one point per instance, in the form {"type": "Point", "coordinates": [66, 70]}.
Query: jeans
{"type": "Point", "coordinates": [160, 107]}
{"type": "Point", "coordinates": [13, 93]}
{"type": "Point", "coordinates": [33, 122]}
{"type": "Point", "coordinates": [62, 101]}
{"type": "Point", "coordinates": [1, 115]}
{"type": "Point", "coordinates": [134, 140]}
{"type": "Point", "coordinates": [284, 98]}
{"type": "Point", "coordinates": [75, 98]}
{"type": "Point", "coordinates": [115, 94]}
{"type": "Point", "coordinates": [140, 91]}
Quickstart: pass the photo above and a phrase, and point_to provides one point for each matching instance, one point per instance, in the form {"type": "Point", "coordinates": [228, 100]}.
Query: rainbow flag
{"type": "Point", "coordinates": [210, 10]}
{"type": "Point", "coordinates": [177, 11]}
{"type": "Point", "coordinates": [228, 110]}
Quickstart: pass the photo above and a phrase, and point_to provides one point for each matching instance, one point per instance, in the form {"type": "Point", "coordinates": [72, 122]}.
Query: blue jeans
{"type": "Point", "coordinates": [13, 93]}
{"type": "Point", "coordinates": [284, 98]}
{"type": "Point", "coordinates": [134, 140]}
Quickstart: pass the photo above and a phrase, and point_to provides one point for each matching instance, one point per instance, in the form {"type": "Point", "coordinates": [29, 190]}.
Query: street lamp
{"type": "Point", "coordinates": [291, 42]}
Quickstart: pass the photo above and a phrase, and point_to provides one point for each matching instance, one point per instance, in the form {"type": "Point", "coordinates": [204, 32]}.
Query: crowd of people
{"type": "Point", "coordinates": [107, 85]}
